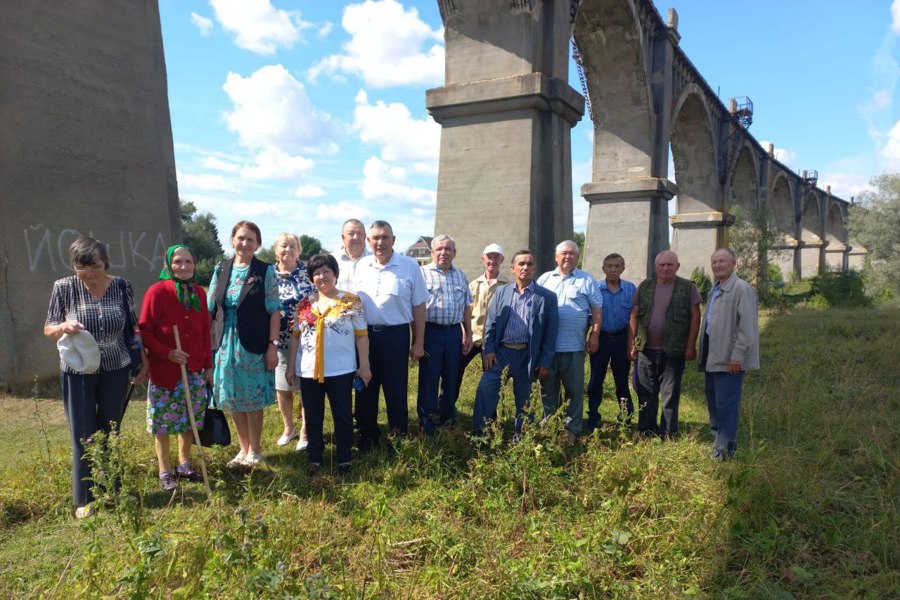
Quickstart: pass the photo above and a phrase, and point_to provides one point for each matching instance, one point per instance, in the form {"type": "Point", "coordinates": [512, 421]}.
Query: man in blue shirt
{"type": "Point", "coordinates": [617, 295]}
{"type": "Point", "coordinates": [580, 303]}
{"type": "Point", "coordinates": [448, 336]}
{"type": "Point", "coordinates": [520, 333]}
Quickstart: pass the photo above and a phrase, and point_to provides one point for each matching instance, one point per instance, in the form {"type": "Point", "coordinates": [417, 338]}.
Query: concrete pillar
{"type": "Point", "coordinates": [506, 112]}
{"type": "Point", "coordinates": [629, 217]}
{"type": "Point", "coordinates": [85, 147]}
{"type": "Point", "coordinates": [630, 188]}
{"type": "Point", "coordinates": [696, 236]}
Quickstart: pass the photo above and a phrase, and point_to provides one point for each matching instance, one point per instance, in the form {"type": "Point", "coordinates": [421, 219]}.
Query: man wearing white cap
{"type": "Point", "coordinates": [482, 290]}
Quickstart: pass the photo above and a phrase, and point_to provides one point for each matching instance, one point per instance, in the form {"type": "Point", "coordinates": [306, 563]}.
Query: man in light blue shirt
{"type": "Point", "coordinates": [448, 336]}
{"type": "Point", "coordinates": [580, 304]}
{"type": "Point", "coordinates": [617, 296]}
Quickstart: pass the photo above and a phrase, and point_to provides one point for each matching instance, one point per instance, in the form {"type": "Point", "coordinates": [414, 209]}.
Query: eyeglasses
{"type": "Point", "coordinates": [90, 268]}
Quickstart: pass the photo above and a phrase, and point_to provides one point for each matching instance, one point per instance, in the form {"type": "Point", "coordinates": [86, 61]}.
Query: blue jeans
{"type": "Point", "coordinates": [567, 369]}
{"type": "Point", "coordinates": [655, 375]}
{"type": "Point", "coordinates": [613, 351]}
{"type": "Point", "coordinates": [723, 400]}
{"type": "Point", "coordinates": [91, 402]}
{"type": "Point", "coordinates": [488, 393]}
{"type": "Point", "coordinates": [338, 389]}
{"type": "Point", "coordinates": [440, 367]}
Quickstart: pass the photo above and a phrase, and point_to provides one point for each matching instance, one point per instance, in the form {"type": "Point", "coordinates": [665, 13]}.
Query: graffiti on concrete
{"type": "Point", "coordinates": [48, 251]}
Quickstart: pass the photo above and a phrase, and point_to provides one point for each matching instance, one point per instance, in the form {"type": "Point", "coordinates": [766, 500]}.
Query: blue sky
{"type": "Point", "coordinates": [298, 114]}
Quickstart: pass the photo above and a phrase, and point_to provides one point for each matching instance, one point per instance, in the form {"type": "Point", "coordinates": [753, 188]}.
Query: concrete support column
{"type": "Point", "coordinates": [629, 217]}
{"type": "Point", "coordinates": [696, 236]}
{"type": "Point", "coordinates": [836, 256]}
{"type": "Point", "coordinates": [506, 113]}
{"type": "Point", "coordinates": [811, 257]}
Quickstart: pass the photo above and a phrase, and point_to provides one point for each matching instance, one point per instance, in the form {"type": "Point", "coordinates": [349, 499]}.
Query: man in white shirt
{"type": "Point", "coordinates": [393, 294]}
{"type": "Point", "coordinates": [353, 238]}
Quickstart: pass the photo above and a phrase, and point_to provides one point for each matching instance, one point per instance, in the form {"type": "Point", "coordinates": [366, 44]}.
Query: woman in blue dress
{"type": "Point", "coordinates": [243, 300]}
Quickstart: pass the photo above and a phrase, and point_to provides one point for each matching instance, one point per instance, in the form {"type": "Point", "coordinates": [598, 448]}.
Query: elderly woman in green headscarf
{"type": "Point", "coordinates": [176, 300]}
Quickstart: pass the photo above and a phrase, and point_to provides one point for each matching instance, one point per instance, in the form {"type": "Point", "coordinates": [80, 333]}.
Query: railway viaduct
{"type": "Point", "coordinates": [506, 111]}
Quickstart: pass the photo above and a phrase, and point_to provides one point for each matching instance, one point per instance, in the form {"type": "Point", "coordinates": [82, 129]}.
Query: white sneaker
{"type": "Point", "coordinates": [253, 458]}
{"type": "Point", "coordinates": [238, 461]}
{"type": "Point", "coordinates": [284, 440]}
{"type": "Point", "coordinates": [302, 445]}
{"type": "Point", "coordinates": [83, 512]}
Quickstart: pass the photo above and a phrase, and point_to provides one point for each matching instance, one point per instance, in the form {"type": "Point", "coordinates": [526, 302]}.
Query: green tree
{"type": "Point", "coordinates": [199, 232]}
{"type": "Point", "coordinates": [754, 240]}
{"type": "Point", "coordinates": [875, 224]}
{"type": "Point", "coordinates": [311, 246]}
{"type": "Point", "coordinates": [578, 238]}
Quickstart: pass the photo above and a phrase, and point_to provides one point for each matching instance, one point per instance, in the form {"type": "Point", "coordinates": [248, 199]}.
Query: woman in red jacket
{"type": "Point", "coordinates": [176, 300]}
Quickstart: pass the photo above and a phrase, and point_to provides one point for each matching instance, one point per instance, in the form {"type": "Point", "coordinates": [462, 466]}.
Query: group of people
{"type": "Point", "coordinates": [357, 318]}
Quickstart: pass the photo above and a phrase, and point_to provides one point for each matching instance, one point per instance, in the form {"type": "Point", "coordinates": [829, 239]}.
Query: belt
{"type": "Point", "coordinates": [614, 333]}
{"type": "Point", "coordinates": [515, 346]}
{"type": "Point", "coordinates": [377, 328]}
{"type": "Point", "coordinates": [439, 326]}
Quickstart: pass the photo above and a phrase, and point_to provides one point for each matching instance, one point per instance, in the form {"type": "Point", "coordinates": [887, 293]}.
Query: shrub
{"type": "Point", "coordinates": [839, 290]}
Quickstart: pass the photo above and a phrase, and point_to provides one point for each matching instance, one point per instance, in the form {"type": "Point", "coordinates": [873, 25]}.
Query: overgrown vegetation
{"type": "Point", "coordinates": [875, 223]}
{"type": "Point", "coordinates": [200, 233]}
{"type": "Point", "coordinates": [808, 509]}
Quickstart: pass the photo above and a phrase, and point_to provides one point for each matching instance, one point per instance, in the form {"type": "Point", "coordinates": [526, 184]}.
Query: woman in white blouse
{"type": "Point", "coordinates": [328, 335]}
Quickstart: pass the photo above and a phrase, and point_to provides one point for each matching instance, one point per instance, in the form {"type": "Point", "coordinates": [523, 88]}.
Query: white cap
{"type": "Point", "coordinates": [493, 248]}
{"type": "Point", "coordinates": [79, 352]}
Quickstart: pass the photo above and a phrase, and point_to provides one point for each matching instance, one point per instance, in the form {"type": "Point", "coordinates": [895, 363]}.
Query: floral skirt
{"type": "Point", "coordinates": [166, 410]}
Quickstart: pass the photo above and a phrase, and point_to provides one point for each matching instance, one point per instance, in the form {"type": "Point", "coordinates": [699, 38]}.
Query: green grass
{"type": "Point", "coordinates": [808, 509]}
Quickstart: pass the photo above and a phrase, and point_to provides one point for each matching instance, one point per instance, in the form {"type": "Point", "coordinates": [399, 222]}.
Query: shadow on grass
{"type": "Point", "coordinates": [812, 494]}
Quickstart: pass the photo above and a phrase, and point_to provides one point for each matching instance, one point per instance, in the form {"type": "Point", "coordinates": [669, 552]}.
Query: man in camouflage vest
{"type": "Point", "coordinates": [662, 335]}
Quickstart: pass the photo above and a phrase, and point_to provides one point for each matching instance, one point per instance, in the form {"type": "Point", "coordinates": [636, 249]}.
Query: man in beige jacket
{"type": "Point", "coordinates": [729, 346]}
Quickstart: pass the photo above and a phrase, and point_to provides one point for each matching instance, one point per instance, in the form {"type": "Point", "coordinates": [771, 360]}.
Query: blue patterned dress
{"type": "Point", "coordinates": [241, 382]}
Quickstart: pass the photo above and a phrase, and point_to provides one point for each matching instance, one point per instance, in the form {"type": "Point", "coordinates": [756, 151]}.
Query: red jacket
{"type": "Point", "coordinates": [160, 311]}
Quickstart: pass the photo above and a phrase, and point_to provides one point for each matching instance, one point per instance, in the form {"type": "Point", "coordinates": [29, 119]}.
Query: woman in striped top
{"type": "Point", "coordinates": [103, 305]}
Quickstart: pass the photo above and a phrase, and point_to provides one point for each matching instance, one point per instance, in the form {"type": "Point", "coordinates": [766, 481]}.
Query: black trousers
{"type": "Point", "coordinates": [613, 352]}
{"type": "Point", "coordinates": [338, 389]}
{"type": "Point", "coordinates": [389, 361]}
{"type": "Point", "coordinates": [91, 403]}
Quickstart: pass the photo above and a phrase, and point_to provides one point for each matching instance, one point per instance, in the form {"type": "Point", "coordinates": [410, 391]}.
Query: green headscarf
{"type": "Point", "coordinates": [186, 290]}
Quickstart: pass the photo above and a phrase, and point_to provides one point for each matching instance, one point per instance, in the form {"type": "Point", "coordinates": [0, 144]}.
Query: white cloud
{"type": "Point", "coordinates": [202, 23]}
{"type": "Point", "coordinates": [402, 138]}
{"type": "Point", "coordinates": [891, 149]}
{"type": "Point", "coordinates": [309, 191]}
{"type": "Point", "coordinates": [783, 155]}
{"type": "Point", "coordinates": [340, 212]}
{"type": "Point", "coordinates": [262, 209]}
{"type": "Point", "coordinates": [384, 183]}
{"type": "Point", "coordinates": [257, 25]}
{"type": "Point", "coordinates": [205, 182]}
{"type": "Point", "coordinates": [272, 163]}
{"type": "Point", "coordinates": [389, 46]}
{"type": "Point", "coordinates": [272, 109]}
{"type": "Point", "coordinates": [217, 164]}
{"type": "Point", "coordinates": [325, 29]}
{"type": "Point", "coordinates": [844, 185]}
{"type": "Point", "coordinates": [895, 16]}
{"type": "Point", "coordinates": [880, 100]}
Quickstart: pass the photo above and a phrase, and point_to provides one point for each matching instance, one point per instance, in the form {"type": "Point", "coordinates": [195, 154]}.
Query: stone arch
{"type": "Point", "coordinates": [837, 237]}
{"type": "Point", "coordinates": [743, 190]}
{"type": "Point", "coordinates": [609, 37]}
{"type": "Point", "coordinates": [694, 154]}
{"type": "Point", "coordinates": [781, 218]}
{"type": "Point", "coordinates": [812, 255]}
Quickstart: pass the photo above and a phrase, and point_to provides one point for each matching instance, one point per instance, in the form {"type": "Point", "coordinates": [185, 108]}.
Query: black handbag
{"type": "Point", "coordinates": [215, 430]}
{"type": "Point", "coordinates": [132, 342]}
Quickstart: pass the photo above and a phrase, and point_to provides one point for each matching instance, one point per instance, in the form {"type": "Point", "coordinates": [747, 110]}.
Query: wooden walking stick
{"type": "Point", "coordinates": [190, 412]}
